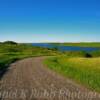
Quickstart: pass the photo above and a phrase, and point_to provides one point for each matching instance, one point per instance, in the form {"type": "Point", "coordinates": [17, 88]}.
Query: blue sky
{"type": "Point", "coordinates": [50, 20]}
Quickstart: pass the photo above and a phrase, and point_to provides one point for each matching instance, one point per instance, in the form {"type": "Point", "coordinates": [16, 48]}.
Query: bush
{"type": "Point", "coordinates": [87, 55]}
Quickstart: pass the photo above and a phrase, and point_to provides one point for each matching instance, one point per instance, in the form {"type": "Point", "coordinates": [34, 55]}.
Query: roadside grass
{"type": "Point", "coordinates": [85, 71]}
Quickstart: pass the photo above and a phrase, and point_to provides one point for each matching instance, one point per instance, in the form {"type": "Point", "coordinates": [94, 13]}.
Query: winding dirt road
{"type": "Point", "coordinates": [29, 79]}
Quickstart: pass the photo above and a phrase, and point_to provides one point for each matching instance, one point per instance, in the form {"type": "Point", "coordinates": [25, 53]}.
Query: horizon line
{"type": "Point", "coordinates": [55, 42]}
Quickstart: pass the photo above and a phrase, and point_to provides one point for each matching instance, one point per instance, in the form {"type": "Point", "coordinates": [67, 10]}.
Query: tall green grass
{"type": "Point", "coordinates": [85, 71]}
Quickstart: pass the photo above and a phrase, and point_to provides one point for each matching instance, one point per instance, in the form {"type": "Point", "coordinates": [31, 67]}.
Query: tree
{"type": "Point", "coordinates": [10, 42]}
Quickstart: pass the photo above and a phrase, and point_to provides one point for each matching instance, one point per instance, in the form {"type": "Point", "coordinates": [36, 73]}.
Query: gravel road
{"type": "Point", "coordinates": [30, 79]}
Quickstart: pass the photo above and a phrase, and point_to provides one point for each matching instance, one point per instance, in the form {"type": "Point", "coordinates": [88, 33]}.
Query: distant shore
{"type": "Point", "coordinates": [81, 44]}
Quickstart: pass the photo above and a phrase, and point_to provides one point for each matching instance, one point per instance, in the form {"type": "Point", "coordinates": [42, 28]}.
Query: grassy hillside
{"type": "Point", "coordinates": [85, 71]}
{"type": "Point", "coordinates": [94, 44]}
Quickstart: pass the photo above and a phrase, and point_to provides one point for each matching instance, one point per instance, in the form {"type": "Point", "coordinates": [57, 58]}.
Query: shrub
{"type": "Point", "coordinates": [87, 55]}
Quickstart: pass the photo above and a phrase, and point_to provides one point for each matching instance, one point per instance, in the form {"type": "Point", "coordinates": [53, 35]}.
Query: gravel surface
{"type": "Point", "coordinates": [30, 79]}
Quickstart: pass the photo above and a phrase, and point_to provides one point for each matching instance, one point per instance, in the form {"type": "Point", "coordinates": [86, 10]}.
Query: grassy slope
{"type": "Point", "coordinates": [94, 44]}
{"type": "Point", "coordinates": [86, 71]}
{"type": "Point", "coordinates": [10, 53]}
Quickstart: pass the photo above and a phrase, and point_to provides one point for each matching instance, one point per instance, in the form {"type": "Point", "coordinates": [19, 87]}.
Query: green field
{"type": "Point", "coordinates": [81, 44]}
{"type": "Point", "coordinates": [85, 71]}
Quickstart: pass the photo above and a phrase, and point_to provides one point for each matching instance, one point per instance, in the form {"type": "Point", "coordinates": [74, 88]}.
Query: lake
{"type": "Point", "coordinates": [65, 48]}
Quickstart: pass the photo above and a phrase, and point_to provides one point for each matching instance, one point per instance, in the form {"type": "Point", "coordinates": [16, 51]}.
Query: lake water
{"type": "Point", "coordinates": [65, 48]}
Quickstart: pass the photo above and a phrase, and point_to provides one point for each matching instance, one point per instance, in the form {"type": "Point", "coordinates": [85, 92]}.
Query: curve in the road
{"type": "Point", "coordinates": [29, 79]}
